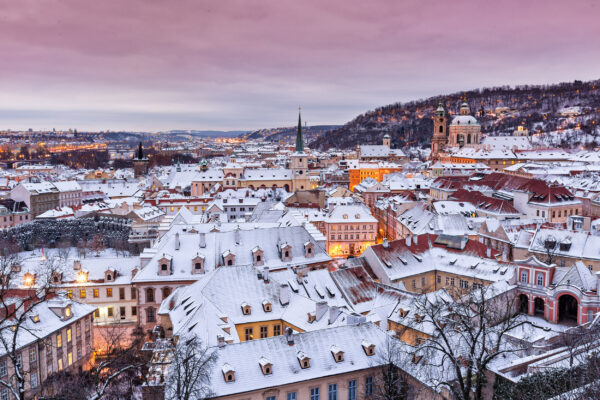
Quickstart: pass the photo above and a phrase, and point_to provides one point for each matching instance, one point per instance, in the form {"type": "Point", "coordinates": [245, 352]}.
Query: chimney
{"type": "Point", "coordinates": [322, 308]}
{"type": "Point", "coordinates": [488, 252]}
{"type": "Point", "coordinates": [385, 243]}
{"type": "Point", "coordinates": [289, 336]}
{"type": "Point", "coordinates": [220, 341]}
{"type": "Point", "coordinates": [177, 241]}
{"type": "Point", "coordinates": [266, 274]}
{"type": "Point", "coordinates": [415, 239]}
{"type": "Point", "coordinates": [133, 272]}
{"type": "Point", "coordinates": [333, 314]}
{"type": "Point", "coordinates": [76, 265]}
{"type": "Point", "coordinates": [202, 241]}
{"type": "Point", "coordinates": [463, 241]}
{"type": "Point", "coordinates": [237, 235]}
{"type": "Point", "coordinates": [408, 241]}
{"type": "Point", "coordinates": [284, 294]}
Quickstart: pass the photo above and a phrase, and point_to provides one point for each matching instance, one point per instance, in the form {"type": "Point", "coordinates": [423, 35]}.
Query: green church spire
{"type": "Point", "coordinates": [299, 141]}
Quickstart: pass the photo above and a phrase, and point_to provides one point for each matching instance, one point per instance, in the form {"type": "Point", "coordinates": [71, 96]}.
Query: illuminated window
{"type": "Point", "coordinates": [69, 335]}
{"type": "Point", "coordinates": [96, 293]}
{"type": "Point", "coordinates": [82, 293]}
{"type": "Point", "coordinates": [108, 292]}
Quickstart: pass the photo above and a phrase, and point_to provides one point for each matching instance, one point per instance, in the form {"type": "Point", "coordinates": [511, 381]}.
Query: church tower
{"type": "Point", "coordinates": [439, 139]}
{"type": "Point", "coordinates": [387, 141]}
{"type": "Point", "coordinates": [140, 163]}
{"type": "Point", "coordinates": [299, 159]}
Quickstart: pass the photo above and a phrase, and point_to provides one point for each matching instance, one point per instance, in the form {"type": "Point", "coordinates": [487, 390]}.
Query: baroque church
{"type": "Point", "coordinates": [463, 131]}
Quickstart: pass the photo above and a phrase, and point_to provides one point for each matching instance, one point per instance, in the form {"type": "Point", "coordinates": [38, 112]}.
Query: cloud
{"type": "Point", "coordinates": [149, 64]}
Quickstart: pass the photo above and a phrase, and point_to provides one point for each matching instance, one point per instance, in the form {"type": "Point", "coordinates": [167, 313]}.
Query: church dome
{"type": "Point", "coordinates": [464, 120]}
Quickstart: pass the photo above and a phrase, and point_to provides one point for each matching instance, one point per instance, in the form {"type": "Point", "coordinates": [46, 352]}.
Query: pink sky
{"type": "Point", "coordinates": [221, 64]}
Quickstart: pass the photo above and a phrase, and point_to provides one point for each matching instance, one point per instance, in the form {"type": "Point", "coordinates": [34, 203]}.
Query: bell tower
{"type": "Point", "coordinates": [299, 161]}
{"type": "Point", "coordinates": [439, 138]}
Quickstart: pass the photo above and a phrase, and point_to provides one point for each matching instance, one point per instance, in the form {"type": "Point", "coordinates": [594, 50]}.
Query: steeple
{"type": "Point", "coordinates": [440, 110]}
{"type": "Point", "coordinates": [299, 141]}
{"type": "Point", "coordinates": [140, 152]}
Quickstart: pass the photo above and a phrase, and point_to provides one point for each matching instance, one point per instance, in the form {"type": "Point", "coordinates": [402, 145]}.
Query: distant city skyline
{"type": "Point", "coordinates": [243, 65]}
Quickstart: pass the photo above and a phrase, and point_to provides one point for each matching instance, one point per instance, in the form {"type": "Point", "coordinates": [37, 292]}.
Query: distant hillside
{"type": "Point", "coordinates": [499, 110]}
{"type": "Point", "coordinates": [289, 133]}
{"type": "Point", "coordinates": [207, 133]}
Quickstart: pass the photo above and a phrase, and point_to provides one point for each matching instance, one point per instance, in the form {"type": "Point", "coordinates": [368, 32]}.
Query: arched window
{"type": "Point", "coordinates": [198, 265]}
{"type": "Point", "coordinates": [524, 276]}
{"type": "Point", "coordinates": [230, 262]}
{"type": "Point", "coordinates": [468, 139]}
{"type": "Point", "coordinates": [287, 254]}
{"type": "Point", "coordinates": [441, 129]}
{"type": "Point", "coordinates": [166, 292]}
{"type": "Point", "coordinates": [258, 258]}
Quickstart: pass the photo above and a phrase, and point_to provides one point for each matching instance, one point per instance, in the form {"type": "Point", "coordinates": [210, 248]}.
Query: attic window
{"type": "Point", "coordinates": [163, 267]}
{"type": "Point", "coordinates": [246, 309]}
{"type": "Point", "coordinates": [303, 359]}
{"type": "Point", "coordinates": [368, 347]}
{"type": "Point", "coordinates": [337, 353]}
{"type": "Point", "coordinates": [267, 306]}
{"type": "Point", "coordinates": [35, 318]}
{"type": "Point", "coordinates": [266, 366]}
{"type": "Point", "coordinates": [109, 276]}
{"type": "Point", "coordinates": [228, 373]}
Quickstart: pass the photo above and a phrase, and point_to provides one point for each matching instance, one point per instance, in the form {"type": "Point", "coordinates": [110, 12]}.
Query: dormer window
{"type": "Point", "coordinates": [266, 366]}
{"type": "Point", "coordinates": [56, 277]}
{"type": "Point", "coordinates": [257, 254]}
{"type": "Point", "coordinates": [368, 347]}
{"type": "Point", "coordinates": [164, 265]}
{"type": "Point", "coordinates": [198, 264]}
{"type": "Point", "coordinates": [267, 306]}
{"type": "Point", "coordinates": [109, 277]}
{"type": "Point", "coordinates": [337, 353]}
{"type": "Point", "coordinates": [286, 251]}
{"type": "Point", "coordinates": [246, 308]}
{"type": "Point", "coordinates": [309, 249]}
{"type": "Point", "coordinates": [35, 318]}
{"type": "Point", "coordinates": [228, 258]}
{"type": "Point", "coordinates": [303, 359]}
{"type": "Point", "coordinates": [418, 318]}
{"type": "Point", "coordinates": [228, 373]}
{"type": "Point", "coordinates": [402, 313]}
{"type": "Point", "coordinates": [68, 312]}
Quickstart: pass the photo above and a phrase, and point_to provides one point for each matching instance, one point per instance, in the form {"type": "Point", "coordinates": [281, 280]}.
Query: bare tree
{"type": "Point", "coordinates": [114, 373]}
{"type": "Point", "coordinates": [391, 384]}
{"type": "Point", "coordinates": [97, 244]}
{"type": "Point", "coordinates": [549, 246]}
{"type": "Point", "coordinates": [190, 370]}
{"type": "Point", "coordinates": [465, 336]}
{"type": "Point", "coordinates": [20, 293]}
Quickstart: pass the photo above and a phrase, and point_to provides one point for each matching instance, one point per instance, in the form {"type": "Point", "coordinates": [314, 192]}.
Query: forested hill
{"type": "Point", "coordinates": [499, 110]}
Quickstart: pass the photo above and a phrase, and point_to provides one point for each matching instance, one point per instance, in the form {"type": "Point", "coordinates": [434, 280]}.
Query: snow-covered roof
{"type": "Point", "coordinates": [244, 357]}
